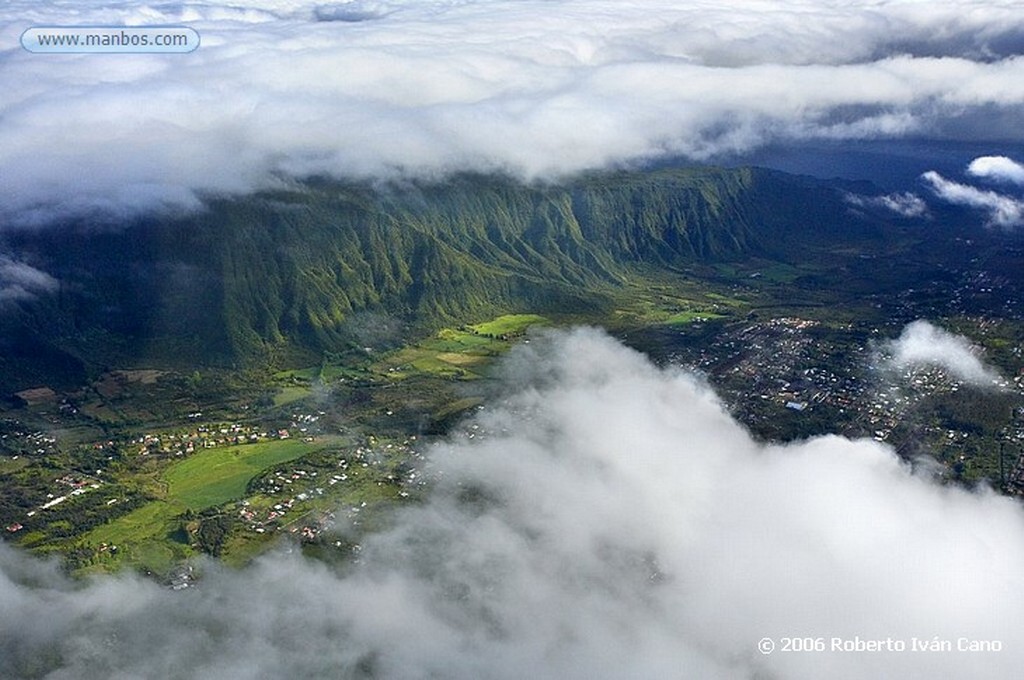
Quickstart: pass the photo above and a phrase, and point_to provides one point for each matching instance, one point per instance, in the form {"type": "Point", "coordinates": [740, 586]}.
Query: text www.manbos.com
{"type": "Point", "coordinates": [134, 39]}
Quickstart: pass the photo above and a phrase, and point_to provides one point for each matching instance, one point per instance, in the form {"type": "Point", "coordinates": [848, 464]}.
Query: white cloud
{"type": "Point", "coordinates": [999, 168]}
{"type": "Point", "coordinates": [21, 281]}
{"type": "Point", "coordinates": [1003, 210]}
{"type": "Point", "coordinates": [922, 344]}
{"type": "Point", "coordinates": [904, 204]}
{"type": "Point", "coordinates": [292, 87]}
{"type": "Point", "coordinates": [615, 522]}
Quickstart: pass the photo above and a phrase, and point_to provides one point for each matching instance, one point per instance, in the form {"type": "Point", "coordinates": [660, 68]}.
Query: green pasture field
{"type": "Point", "coordinates": [690, 317]}
{"type": "Point", "coordinates": [450, 353]}
{"type": "Point", "coordinates": [509, 323]}
{"type": "Point", "coordinates": [213, 476]}
{"type": "Point", "coordinates": [454, 353]}
{"type": "Point", "coordinates": [208, 478]}
{"type": "Point", "coordinates": [290, 394]}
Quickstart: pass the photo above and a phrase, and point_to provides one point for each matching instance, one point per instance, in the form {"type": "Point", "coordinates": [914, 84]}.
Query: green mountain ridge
{"type": "Point", "coordinates": [293, 270]}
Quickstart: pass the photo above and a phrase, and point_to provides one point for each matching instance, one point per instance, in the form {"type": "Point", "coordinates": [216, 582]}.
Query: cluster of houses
{"type": "Point", "coordinates": [220, 434]}
{"type": "Point", "coordinates": [205, 436]}
{"type": "Point", "coordinates": [766, 366]}
{"type": "Point", "coordinates": [764, 361]}
{"type": "Point", "coordinates": [77, 484]}
{"type": "Point", "coordinates": [302, 483]}
{"type": "Point", "coordinates": [38, 443]}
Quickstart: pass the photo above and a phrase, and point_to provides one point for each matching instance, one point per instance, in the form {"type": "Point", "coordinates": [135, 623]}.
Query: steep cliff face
{"type": "Point", "coordinates": [290, 267]}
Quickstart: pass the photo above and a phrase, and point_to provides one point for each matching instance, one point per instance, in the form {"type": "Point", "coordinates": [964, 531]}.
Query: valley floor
{"type": "Point", "coordinates": [147, 469]}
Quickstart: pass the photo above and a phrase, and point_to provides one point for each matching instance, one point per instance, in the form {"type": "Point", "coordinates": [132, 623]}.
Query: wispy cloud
{"type": "Point", "coordinates": [613, 521]}
{"type": "Point", "coordinates": [904, 204]}
{"type": "Point", "coordinates": [1003, 210]}
{"type": "Point", "coordinates": [285, 88]}
{"type": "Point", "coordinates": [21, 281]}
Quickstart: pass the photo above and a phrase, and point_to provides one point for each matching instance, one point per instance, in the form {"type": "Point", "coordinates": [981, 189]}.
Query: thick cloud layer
{"type": "Point", "coordinates": [282, 88]}
{"type": "Point", "coordinates": [614, 522]}
{"type": "Point", "coordinates": [922, 344]}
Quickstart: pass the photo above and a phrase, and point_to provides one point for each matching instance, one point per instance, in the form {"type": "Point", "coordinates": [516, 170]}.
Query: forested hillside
{"type": "Point", "coordinates": [287, 270]}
